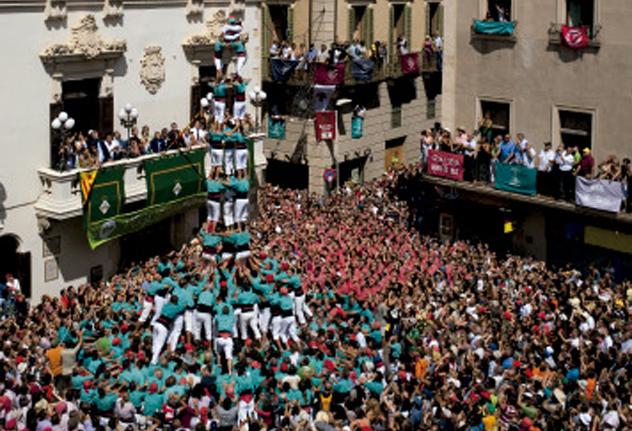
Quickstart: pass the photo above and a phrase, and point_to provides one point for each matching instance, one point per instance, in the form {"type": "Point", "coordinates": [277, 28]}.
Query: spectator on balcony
{"type": "Point", "coordinates": [527, 154]}
{"type": "Point", "coordinates": [287, 53]}
{"type": "Point", "coordinates": [113, 147]}
{"type": "Point", "coordinates": [469, 146]}
{"type": "Point", "coordinates": [546, 162]}
{"type": "Point", "coordinates": [353, 50]}
{"type": "Point", "coordinates": [428, 50]}
{"type": "Point", "coordinates": [275, 49]}
{"type": "Point", "coordinates": [608, 169]}
{"type": "Point", "coordinates": [438, 48]}
{"type": "Point", "coordinates": [323, 54]}
{"type": "Point", "coordinates": [66, 154]}
{"type": "Point", "coordinates": [312, 54]}
{"type": "Point", "coordinates": [507, 150]}
{"type": "Point", "coordinates": [158, 144]}
{"type": "Point", "coordinates": [198, 133]}
{"type": "Point", "coordinates": [566, 182]}
{"type": "Point", "coordinates": [484, 157]}
{"type": "Point", "coordinates": [88, 157]}
{"type": "Point", "coordinates": [402, 45]}
{"type": "Point", "coordinates": [485, 127]}
{"type": "Point", "coordinates": [586, 165]}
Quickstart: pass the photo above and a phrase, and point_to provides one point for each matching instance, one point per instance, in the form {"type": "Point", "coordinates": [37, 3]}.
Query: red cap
{"type": "Point", "coordinates": [116, 341]}
{"type": "Point", "coordinates": [188, 347]}
{"type": "Point", "coordinates": [284, 367]}
{"type": "Point", "coordinates": [329, 365]}
{"type": "Point", "coordinates": [87, 384]}
{"type": "Point", "coordinates": [285, 266]}
{"type": "Point", "coordinates": [269, 278]}
{"type": "Point", "coordinates": [507, 315]}
{"type": "Point", "coordinates": [153, 388]}
{"type": "Point", "coordinates": [223, 283]}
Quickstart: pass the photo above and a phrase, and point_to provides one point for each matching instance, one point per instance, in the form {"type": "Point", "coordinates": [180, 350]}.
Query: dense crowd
{"type": "Point", "coordinates": [343, 318]}
{"type": "Point", "coordinates": [557, 167]}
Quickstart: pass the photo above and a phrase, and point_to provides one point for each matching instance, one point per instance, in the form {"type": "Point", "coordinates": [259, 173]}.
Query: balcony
{"type": "Point", "coordinates": [494, 31]}
{"type": "Point", "coordinates": [555, 36]}
{"type": "Point", "coordinates": [390, 69]}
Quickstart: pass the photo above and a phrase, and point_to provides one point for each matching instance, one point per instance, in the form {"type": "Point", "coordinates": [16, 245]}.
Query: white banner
{"type": "Point", "coordinates": [599, 194]}
{"type": "Point", "coordinates": [322, 95]}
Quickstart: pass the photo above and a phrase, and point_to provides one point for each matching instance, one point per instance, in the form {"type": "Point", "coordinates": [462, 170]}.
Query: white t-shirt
{"type": "Point", "coordinates": [546, 160]}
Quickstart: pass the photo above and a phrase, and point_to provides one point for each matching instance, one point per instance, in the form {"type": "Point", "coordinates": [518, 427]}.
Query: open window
{"type": "Point", "coordinates": [361, 24]}
{"type": "Point", "coordinates": [576, 128]}
{"type": "Point", "coordinates": [499, 113]}
{"type": "Point", "coordinates": [499, 10]}
{"type": "Point", "coordinates": [580, 13]}
{"type": "Point", "coordinates": [279, 15]}
{"type": "Point", "coordinates": [434, 19]}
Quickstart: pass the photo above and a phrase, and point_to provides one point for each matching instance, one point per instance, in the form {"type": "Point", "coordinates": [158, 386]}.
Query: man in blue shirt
{"type": "Point", "coordinates": [507, 150]}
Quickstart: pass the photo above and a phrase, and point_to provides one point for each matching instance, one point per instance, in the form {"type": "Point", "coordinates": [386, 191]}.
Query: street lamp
{"type": "Point", "coordinates": [257, 97]}
{"type": "Point", "coordinates": [207, 103]}
{"type": "Point", "coordinates": [62, 124]}
{"type": "Point", "coordinates": [128, 116]}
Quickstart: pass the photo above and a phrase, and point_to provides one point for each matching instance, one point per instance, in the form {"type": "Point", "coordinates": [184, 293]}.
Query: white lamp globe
{"type": "Point", "coordinates": [134, 113]}
{"type": "Point", "coordinates": [128, 107]}
{"type": "Point", "coordinates": [263, 95]}
{"type": "Point", "coordinates": [56, 123]}
{"type": "Point", "coordinates": [69, 123]}
{"type": "Point", "coordinates": [209, 96]}
{"type": "Point", "coordinates": [256, 89]}
{"type": "Point", "coordinates": [63, 116]}
{"type": "Point", "coordinates": [253, 96]}
{"type": "Point", "coordinates": [204, 102]}
{"type": "Point", "coordinates": [122, 114]}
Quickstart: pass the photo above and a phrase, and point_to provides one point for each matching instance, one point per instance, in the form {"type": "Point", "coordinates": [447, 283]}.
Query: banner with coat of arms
{"type": "Point", "coordinates": [174, 177]}
{"type": "Point", "coordinates": [329, 75]}
{"type": "Point", "coordinates": [575, 37]}
{"type": "Point", "coordinates": [515, 178]}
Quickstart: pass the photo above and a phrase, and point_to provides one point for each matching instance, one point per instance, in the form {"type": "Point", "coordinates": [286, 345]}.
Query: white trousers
{"type": "Point", "coordinates": [219, 108]}
{"type": "Point", "coordinates": [229, 213]}
{"type": "Point", "coordinates": [241, 210]}
{"type": "Point", "coordinates": [224, 345]}
{"type": "Point", "coordinates": [229, 161]}
{"type": "Point", "coordinates": [249, 318]}
{"type": "Point", "coordinates": [288, 329]}
{"type": "Point", "coordinates": [217, 157]}
{"type": "Point", "coordinates": [189, 320]}
{"type": "Point", "coordinates": [264, 320]}
{"type": "Point", "coordinates": [158, 337]}
{"type": "Point", "coordinates": [301, 309]}
{"type": "Point", "coordinates": [239, 110]}
{"type": "Point", "coordinates": [242, 255]}
{"type": "Point", "coordinates": [241, 62]}
{"type": "Point", "coordinates": [203, 321]}
{"type": "Point", "coordinates": [147, 307]}
{"type": "Point", "coordinates": [246, 410]}
{"type": "Point", "coordinates": [241, 158]}
{"type": "Point", "coordinates": [176, 330]}
{"type": "Point", "coordinates": [276, 327]}
{"type": "Point", "coordinates": [159, 301]}
{"type": "Point", "coordinates": [213, 210]}
{"type": "Point", "coordinates": [218, 63]}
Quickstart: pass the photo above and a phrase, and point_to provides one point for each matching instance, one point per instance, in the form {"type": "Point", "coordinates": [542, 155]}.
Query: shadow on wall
{"type": "Point", "coordinates": [487, 45]}
{"type": "Point", "coordinates": [3, 198]}
{"type": "Point", "coordinates": [567, 55]}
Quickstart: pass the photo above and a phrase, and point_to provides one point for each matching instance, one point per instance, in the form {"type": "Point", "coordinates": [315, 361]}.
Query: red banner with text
{"type": "Point", "coordinates": [446, 165]}
{"type": "Point", "coordinates": [325, 123]}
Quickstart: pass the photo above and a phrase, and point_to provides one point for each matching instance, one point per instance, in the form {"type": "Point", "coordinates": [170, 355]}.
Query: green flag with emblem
{"type": "Point", "coordinates": [174, 177]}
{"type": "Point", "coordinates": [107, 195]}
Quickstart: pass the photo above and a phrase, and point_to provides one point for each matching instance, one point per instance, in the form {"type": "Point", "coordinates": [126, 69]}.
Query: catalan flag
{"type": "Point", "coordinates": [86, 179]}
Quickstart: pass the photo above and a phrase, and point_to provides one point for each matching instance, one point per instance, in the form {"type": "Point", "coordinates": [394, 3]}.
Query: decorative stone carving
{"type": "Point", "coordinates": [152, 71]}
{"type": "Point", "coordinates": [84, 43]}
{"type": "Point", "coordinates": [55, 10]}
{"type": "Point", "coordinates": [195, 8]}
{"type": "Point", "coordinates": [112, 9]}
{"type": "Point", "coordinates": [213, 30]}
{"type": "Point", "coordinates": [107, 84]}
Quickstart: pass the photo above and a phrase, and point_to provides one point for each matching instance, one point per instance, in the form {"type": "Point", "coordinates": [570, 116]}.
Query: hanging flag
{"type": "Point", "coordinates": [575, 37]}
{"type": "Point", "coordinates": [329, 75]}
{"type": "Point", "coordinates": [357, 127]}
{"type": "Point", "coordinates": [325, 123]}
{"type": "Point", "coordinates": [410, 63]}
{"type": "Point", "coordinates": [362, 69]}
{"type": "Point", "coordinates": [497, 28]}
{"type": "Point", "coordinates": [86, 179]}
{"type": "Point", "coordinates": [276, 128]}
{"type": "Point", "coordinates": [282, 69]}
{"type": "Point", "coordinates": [322, 96]}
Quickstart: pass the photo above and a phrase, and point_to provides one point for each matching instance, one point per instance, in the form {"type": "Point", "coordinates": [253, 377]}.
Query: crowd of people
{"type": "Point", "coordinates": [339, 52]}
{"type": "Point", "coordinates": [340, 316]}
{"type": "Point", "coordinates": [556, 168]}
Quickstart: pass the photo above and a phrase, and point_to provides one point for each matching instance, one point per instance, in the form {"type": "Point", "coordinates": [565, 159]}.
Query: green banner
{"type": "Point", "coordinates": [515, 178]}
{"type": "Point", "coordinates": [497, 28]}
{"type": "Point", "coordinates": [106, 230]}
{"type": "Point", "coordinates": [107, 195]}
{"type": "Point", "coordinates": [174, 176]}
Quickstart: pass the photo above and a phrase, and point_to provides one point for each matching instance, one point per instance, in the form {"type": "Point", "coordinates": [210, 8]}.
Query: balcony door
{"type": "Point", "coordinates": [15, 263]}
{"type": "Point", "coordinates": [81, 102]}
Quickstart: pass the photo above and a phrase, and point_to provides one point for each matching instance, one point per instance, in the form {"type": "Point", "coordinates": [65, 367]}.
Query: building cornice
{"type": "Point", "coordinates": [39, 5]}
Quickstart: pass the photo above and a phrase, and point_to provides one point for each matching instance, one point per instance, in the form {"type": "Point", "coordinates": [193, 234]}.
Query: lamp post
{"type": "Point", "coordinates": [128, 116]}
{"type": "Point", "coordinates": [257, 98]}
{"type": "Point", "coordinates": [62, 125]}
{"type": "Point", "coordinates": [207, 104]}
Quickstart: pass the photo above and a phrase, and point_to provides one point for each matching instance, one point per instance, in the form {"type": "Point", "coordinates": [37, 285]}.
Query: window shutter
{"type": "Point", "coordinates": [106, 114]}
{"type": "Point", "coordinates": [351, 22]}
{"type": "Point", "coordinates": [428, 22]}
{"type": "Point", "coordinates": [391, 24]}
{"type": "Point", "coordinates": [24, 272]}
{"type": "Point", "coordinates": [266, 27]}
{"type": "Point", "coordinates": [290, 23]}
{"type": "Point", "coordinates": [408, 24]}
{"type": "Point", "coordinates": [196, 95]}
{"type": "Point", "coordinates": [440, 19]}
{"type": "Point", "coordinates": [368, 27]}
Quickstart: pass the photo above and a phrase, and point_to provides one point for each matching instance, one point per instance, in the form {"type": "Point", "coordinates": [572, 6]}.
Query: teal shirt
{"type": "Point", "coordinates": [225, 322]}
{"type": "Point", "coordinates": [219, 91]}
{"type": "Point", "coordinates": [154, 287]}
{"type": "Point", "coordinates": [171, 310]}
{"type": "Point", "coordinates": [244, 384]}
{"type": "Point", "coordinates": [209, 240]}
{"type": "Point", "coordinates": [240, 238]}
{"type": "Point", "coordinates": [247, 298]}
{"type": "Point", "coordinates": [206, 298]}
{"type": "Point", "coordinates": [153, 404]}
{"type": "Point", "coordinates": [106, 404]}
{"type": "Point", "coordinates": [214, 186]}
{"type": "Point", "coordinates": [374, 387]}
{"type": "Point", "coordinates": [343, 386]}
{"type": "Point", "coordinates": [137, 398]}
{"type": "Point", "coordinates": [286, 303]}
